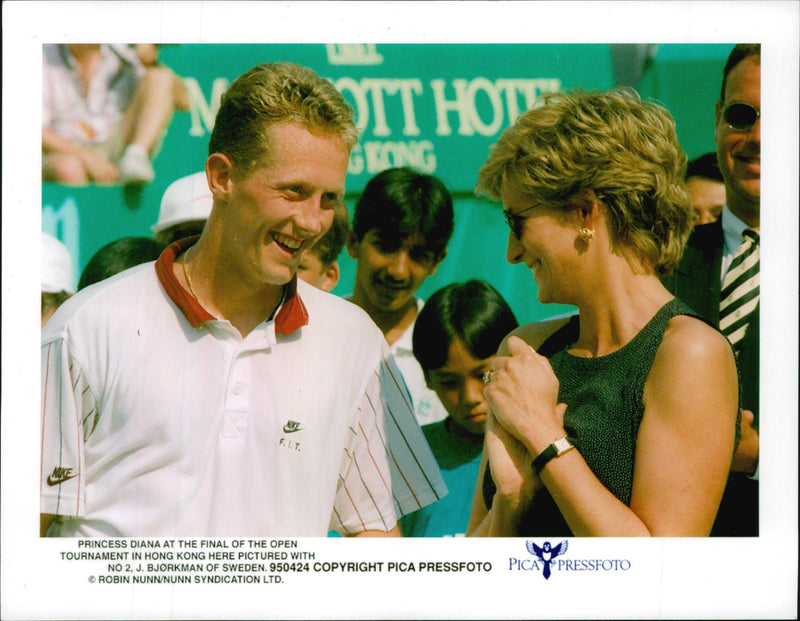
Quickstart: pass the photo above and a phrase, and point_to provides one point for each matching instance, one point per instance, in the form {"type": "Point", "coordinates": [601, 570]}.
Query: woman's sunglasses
{"type": "Point", "coordinates": [515, 220]}
{"type": "Point", "coordinates": [740, 116]}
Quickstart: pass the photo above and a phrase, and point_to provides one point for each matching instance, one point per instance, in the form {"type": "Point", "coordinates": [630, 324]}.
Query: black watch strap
{"type": "Point", "coordinates": [559, 447]}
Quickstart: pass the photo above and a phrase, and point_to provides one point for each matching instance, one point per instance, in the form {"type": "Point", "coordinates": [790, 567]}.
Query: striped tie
{"type": "Point", "coordinates": [739, 295]}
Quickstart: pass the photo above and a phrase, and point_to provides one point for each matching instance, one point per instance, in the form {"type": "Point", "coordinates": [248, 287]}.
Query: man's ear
{"type": "Point", "coordinates": [330, 277]}
{"type": "Point", "coordinates": [219, 170]}
{"type": "Point", "coordinates": [439, 259]}
{"type": "Point", "coordinates": [352, 245]}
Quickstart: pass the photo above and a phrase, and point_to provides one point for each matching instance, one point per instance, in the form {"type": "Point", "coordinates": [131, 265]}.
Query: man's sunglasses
{"type": "Point", "coordinates": [740, 116]}
{"type": "Point", "coordinates": [515, 220]}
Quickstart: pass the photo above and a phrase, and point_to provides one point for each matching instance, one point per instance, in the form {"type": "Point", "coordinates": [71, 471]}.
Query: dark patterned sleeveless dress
{"type": "Point", "coordinates": [604, 411]}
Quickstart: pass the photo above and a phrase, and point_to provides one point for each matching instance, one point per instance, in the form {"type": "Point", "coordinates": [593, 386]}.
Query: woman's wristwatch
{"type": "Point", "coordinates": [556, 449]}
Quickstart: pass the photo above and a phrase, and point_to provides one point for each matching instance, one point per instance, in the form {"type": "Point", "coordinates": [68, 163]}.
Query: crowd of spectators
{"type": "Point", "coordinates": [105, 110]}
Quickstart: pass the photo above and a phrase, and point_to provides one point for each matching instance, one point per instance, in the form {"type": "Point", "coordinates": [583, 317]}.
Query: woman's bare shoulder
{"type": "Point", "coordinates": [690, 350]}
{"type": "Point", "coordinates": [686, 333]}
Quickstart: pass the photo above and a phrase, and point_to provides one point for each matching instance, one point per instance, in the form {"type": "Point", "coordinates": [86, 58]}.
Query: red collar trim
{"type": "Point", "coordinates": [190, 307]}
{"type": "Point", "coordinates": [291, 315]}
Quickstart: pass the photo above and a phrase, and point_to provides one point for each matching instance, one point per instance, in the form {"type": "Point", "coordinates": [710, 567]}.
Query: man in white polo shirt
{"type": "Point", "coordinates": [216, 395]}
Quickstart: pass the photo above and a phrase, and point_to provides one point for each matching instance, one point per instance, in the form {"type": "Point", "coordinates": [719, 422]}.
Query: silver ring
{"type": "Point", "coordinates": [487, 377]}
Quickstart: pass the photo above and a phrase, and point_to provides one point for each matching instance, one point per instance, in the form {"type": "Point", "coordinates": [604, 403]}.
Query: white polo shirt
{"type": "Point", "coordinates": [427, 406]}
{"type": "Point", "coordinates": [159, 420]}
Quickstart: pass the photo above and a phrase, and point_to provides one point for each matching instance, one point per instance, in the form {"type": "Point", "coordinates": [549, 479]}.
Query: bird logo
{"type": "Point", "coordinates": [546, 554]}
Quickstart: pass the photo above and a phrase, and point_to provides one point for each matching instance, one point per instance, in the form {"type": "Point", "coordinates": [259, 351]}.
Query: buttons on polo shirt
{"type": "Point", "coordinates": [238, 392]}
{"type": "Point", "coordinates": [238, 395]}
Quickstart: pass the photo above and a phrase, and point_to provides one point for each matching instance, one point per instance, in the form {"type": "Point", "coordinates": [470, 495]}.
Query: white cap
{"type": "Point", "coordinates": [56, 266]}
{"type": "Point", "coordinates": [186, 199]}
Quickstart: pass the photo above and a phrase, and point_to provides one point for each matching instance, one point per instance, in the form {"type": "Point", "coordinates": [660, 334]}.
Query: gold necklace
{"type": "Point", "coordinates": [194, 295]}
{"type": "Point", "coordinates": [186, 276]}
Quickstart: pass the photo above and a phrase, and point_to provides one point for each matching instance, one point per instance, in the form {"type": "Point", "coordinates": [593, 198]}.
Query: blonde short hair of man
{"type": "Point", "coordinates": [623, 148]}
{"type": "Point", "coordinates": [270, 94]}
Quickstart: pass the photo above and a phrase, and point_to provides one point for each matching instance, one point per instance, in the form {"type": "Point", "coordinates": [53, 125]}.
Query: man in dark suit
{"type": "Point", "coordinates": [713, 256]}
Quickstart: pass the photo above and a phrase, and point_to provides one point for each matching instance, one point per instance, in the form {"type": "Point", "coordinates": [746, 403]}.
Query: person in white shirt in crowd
{"type": "Point", "coordinates": [216, 395]}
{"type": "Point", "coordinates": [401, 226]}
{"type": "Point", "coordinates": [184, 209]}
{"type": "Point", "coordinates": [57, 276]}
{"type": "Point", "coordinates": [104, 112]}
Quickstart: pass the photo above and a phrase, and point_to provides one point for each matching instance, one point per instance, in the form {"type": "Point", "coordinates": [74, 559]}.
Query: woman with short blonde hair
{"type": "Point", "coordinates": [621, 420]}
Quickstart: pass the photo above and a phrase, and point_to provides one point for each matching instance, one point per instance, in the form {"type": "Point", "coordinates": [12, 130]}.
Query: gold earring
{"type": "Point", "coordinates": [587, 235]}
